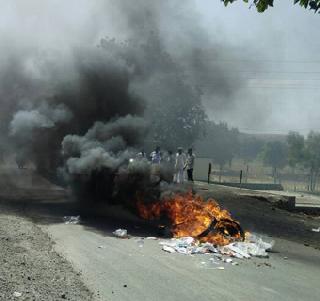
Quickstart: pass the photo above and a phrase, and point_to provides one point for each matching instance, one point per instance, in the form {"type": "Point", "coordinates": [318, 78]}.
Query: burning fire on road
{"type": "Point", "coordinates": [191, 216]}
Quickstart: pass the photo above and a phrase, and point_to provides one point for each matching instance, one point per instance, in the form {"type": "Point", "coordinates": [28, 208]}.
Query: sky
{"type": "Point", "coordinates": [281, 90]}
{"type": "Point", "coordinates": [273, 58]}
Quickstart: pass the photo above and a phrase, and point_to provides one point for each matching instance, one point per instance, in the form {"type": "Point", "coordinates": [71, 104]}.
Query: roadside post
{"type": "Point", "coordinates": [209, 172]}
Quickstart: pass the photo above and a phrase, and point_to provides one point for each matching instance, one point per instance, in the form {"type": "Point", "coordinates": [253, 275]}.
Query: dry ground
{"type": "Point", "coordinates": [28, 263]}
{"type": "Point", "coordinates": [30, 266]}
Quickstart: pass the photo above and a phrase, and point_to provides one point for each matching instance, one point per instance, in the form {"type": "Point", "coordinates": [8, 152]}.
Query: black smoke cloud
{"type": "Point", "coordinates": [77, 93]}
{"type": "Point", "coordinates": [85, 109]}
{"type": "Point", "coordinates": [84, 125]}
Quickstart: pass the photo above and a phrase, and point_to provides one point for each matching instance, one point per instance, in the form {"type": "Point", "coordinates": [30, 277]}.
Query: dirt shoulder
{"type": "Point", "coordinates": [29, 265]}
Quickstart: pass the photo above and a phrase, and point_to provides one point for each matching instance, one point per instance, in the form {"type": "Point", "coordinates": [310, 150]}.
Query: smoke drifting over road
{"type": "Point", "coordinates": [74, 103]}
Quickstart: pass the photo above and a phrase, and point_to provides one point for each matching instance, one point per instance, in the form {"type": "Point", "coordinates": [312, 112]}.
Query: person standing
{"type": "Point", "coordinates": [155, 156]}
{"type": "Point", "coordinates": [169, 160]}
{"type": "Point", "coordinates": [141, 155]}
{"type": "Point", "coordinates": [156, 159]}
{"type": "Point", "coordinates": [190, 164]}
{"type": "Point", "coordinates": [168, 164]}
{"type": "Point", "coordinates": [180, 166]}
{"type": "Point", "coordinates": [20, 159]}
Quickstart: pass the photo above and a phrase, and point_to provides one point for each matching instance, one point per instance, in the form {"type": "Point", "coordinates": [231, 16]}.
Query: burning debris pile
{"type": "Point", "coordinates": [200, 227]}
{"type": "Point", "coordinates": [192, 216]}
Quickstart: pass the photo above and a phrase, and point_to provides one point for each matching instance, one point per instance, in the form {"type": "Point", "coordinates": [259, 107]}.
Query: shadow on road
{"type": "Point", "coordinates": [48, 205]}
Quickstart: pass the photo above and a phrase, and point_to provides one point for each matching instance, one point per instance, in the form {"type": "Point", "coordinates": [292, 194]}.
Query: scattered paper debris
{"type": "Point", "coordinates": [121, 233]}
{"type": "Point", "coordinates": [219, 268]}
{"type": "Point", "coordinates": [17, 294]}
{"type": "Point", "coordinates": [316, 230]}
{"type": "Point", "coordinates": [71, 220]}
{"type": "Point", "coordinates": [211, 264]}
{"type": "Point", "coordinates": [258, 240]}
{"type": "Point", "coordinates": [247, 249]}
{"type": "Point", "coordinates": [254, 246]}
{"type": "Point", "coordinates": [227, 260]}
{"type": "Point", "coordinates": [168, 249]}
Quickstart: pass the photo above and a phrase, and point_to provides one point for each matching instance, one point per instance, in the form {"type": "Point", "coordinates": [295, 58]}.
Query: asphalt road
{"type": "Point", "coordinates": [122, 270]}
{"type": "Point", "coordinates": [116, 269]}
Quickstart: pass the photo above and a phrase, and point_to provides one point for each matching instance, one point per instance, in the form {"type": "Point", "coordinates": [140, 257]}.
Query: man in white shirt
{"type": "Point", "coordinates": [180, 166]}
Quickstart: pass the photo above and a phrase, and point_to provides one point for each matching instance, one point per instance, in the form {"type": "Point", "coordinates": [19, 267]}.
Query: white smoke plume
{"type": "Point", "coordinates": [24, 122]}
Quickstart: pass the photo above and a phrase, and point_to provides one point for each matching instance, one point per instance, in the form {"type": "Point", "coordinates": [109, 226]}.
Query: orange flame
{"type": "Point", "coordinates": [192, 216]}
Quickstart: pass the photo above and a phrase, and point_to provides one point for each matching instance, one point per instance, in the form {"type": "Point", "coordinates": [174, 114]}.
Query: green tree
{"type": "Point", "coordinates": [220, 143]}
{"type": "Point", "coordinates": [262, 5]}
{"type": "Point", "coordinates": [274, 154]}
{"type": "Point", "coordinates": [312, 157]}
{"type": "Point", "coordinates": [296, 149]}
{"type": "Point", "coordinates": [249, 149]}
{"type": "Point", "coordinates": [305, 152]}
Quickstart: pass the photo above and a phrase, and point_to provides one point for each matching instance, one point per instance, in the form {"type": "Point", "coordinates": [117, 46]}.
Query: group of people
{"type": "Point", "coordinates": [179, 163]}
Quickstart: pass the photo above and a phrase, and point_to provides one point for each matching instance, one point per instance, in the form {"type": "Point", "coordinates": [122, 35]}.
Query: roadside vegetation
{"type": "Point", "coordinates": [292, 160]}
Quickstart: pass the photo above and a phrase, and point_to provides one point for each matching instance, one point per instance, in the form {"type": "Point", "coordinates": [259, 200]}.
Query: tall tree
{"type": "Point", "coordinates": [296, 150]}
{"type": "Point", "coordinates": [306, 153]}
{"type": "Point", "coordinates": [312, 157]}
{"type": "Point", "coordinates": [220, 143]}
{"type": "Point", "coordinates": [274, 154]}
{"type": "Point", "coordinates": [249, 149]}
